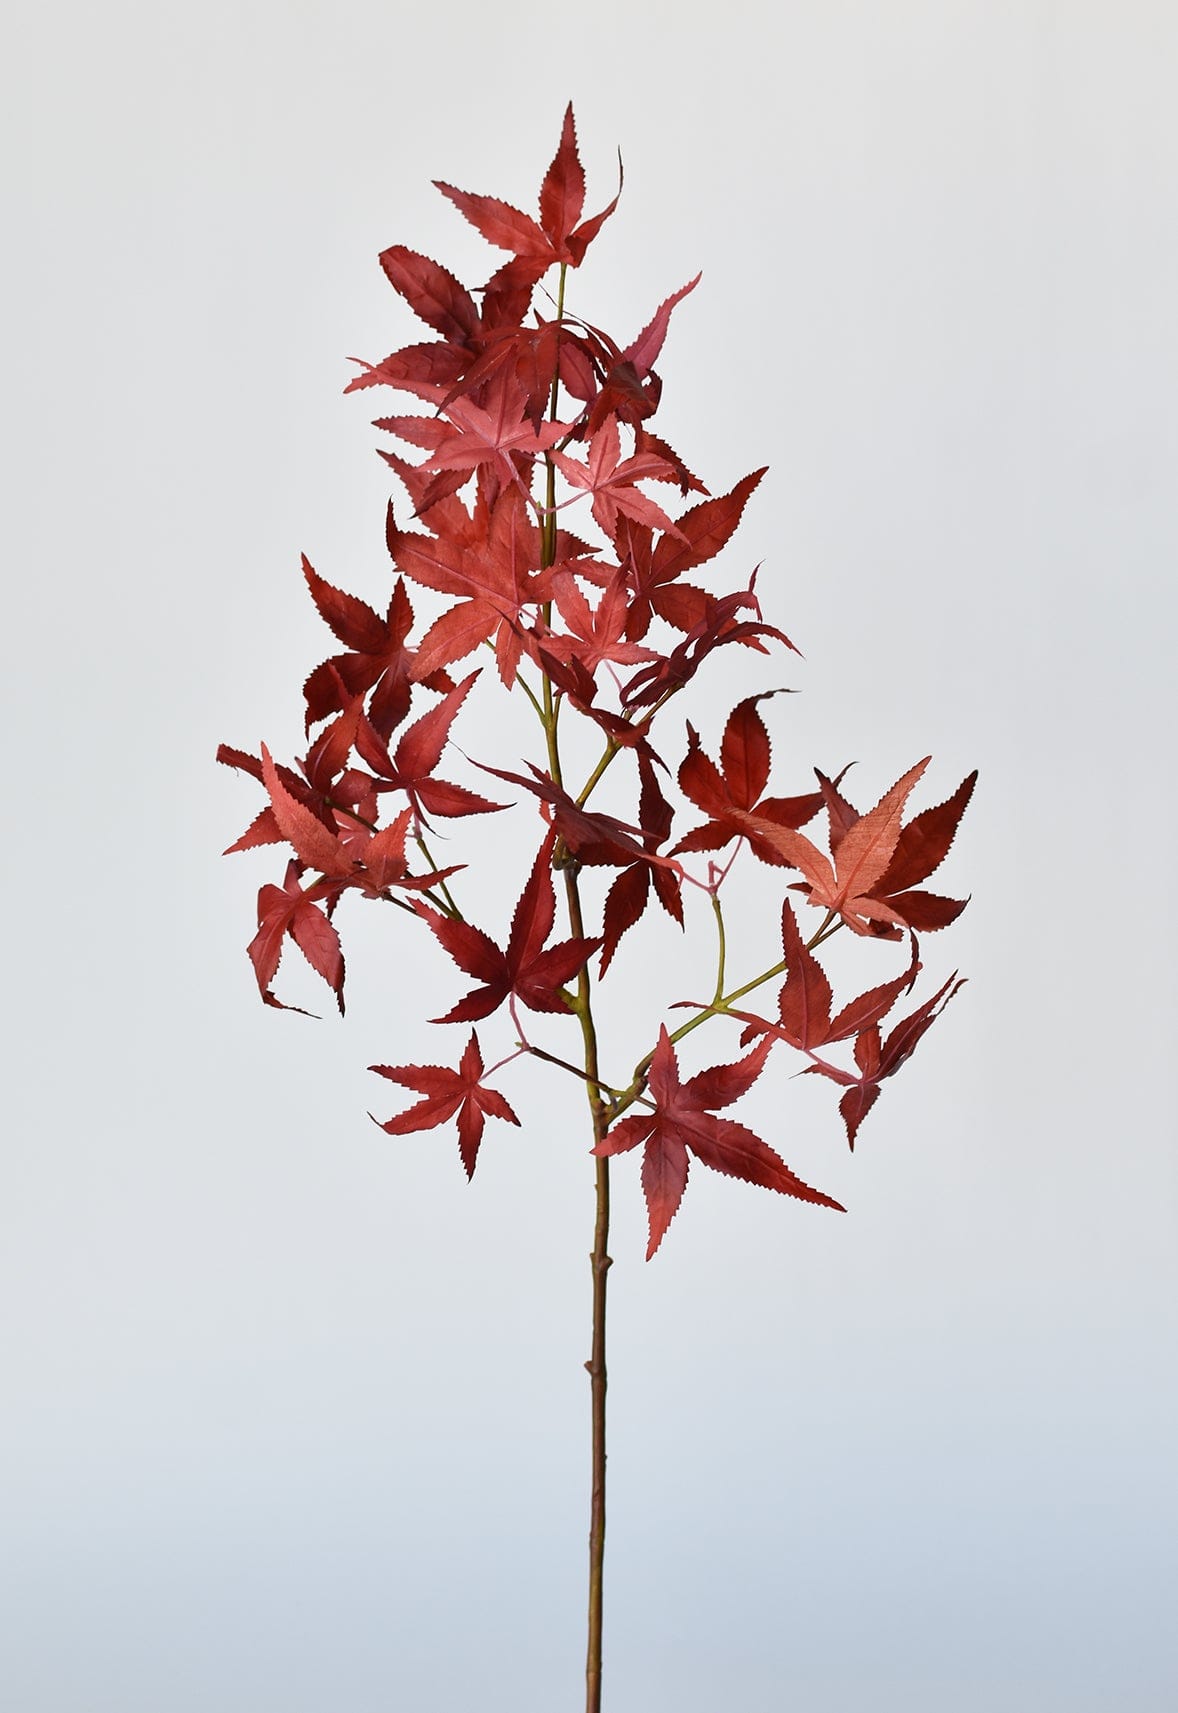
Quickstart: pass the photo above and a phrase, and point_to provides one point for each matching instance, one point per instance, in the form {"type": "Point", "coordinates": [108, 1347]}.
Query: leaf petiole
{"type": "Point", "coordinates": [446, 902]}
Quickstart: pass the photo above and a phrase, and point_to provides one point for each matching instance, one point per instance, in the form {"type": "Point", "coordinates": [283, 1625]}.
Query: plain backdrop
{"type": "Point", "coordinates": [295, 1419]}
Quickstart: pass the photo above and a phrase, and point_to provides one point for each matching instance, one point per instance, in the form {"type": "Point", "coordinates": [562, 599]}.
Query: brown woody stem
{"type": "Point", "coordinates": [599, 1261]}
{"type": "Point", "coordinates": [563, 1064]}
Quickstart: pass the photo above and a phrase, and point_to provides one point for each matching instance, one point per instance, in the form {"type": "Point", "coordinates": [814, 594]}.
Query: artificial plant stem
{"type": "Point", "coordinates": [419, 840]}
{"type": "Point", "coordinates": [719, 1004]}
{"type": "Point", "coordinates": [611, 749]}
{"type": "Point", "coordinates": [722, 947]}
{"type": "Point", "coordinates": [563, 1064]}
{"type": "Point", "coordinates": [600, 1263]}
{"type": "Point", "coordinates": [723, 1000]}
{"type": "Point", "coordinates": [597, 1376]}
{"type": "Point", "coordinates": [599, 1259]}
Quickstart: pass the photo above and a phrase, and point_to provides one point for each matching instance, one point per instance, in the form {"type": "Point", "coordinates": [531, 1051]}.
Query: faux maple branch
{"type": "Point", "coordinates": [536, 424]}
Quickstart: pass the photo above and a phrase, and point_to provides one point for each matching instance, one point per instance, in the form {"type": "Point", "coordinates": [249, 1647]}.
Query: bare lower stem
{"type": "Point", "coordinates": [600, 1263]}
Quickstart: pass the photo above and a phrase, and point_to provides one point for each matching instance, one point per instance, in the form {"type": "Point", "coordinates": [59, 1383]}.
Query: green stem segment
{"type": "Point", "coordinates": [721, 1003]}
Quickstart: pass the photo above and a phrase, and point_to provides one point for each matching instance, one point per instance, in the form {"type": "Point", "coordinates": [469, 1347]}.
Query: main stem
{"type": "Point", "coordinates": [599, 1260]}
{"type": "Point", "coordinates": [600, 1263]}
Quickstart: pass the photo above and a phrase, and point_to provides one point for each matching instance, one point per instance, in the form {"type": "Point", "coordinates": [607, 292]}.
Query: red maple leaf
{"type": "Point", "coordinates": [535, 975]}
{"type": "Point", "coordinates": [495, 574]}
{"type": "Point", "coordinates": [492, 432]}
{"type": "Point", "coordinates": [877, 1058]}
{"type": "Point", "coordinates": [594, 838]}
{"type": "Point", "coordinates": [560, 236]}
{"type": "Point", "coordinates": [682, 1123]}
{"type": "Point", "coordinates": [610, 479]}
{"type": "Point", "coordinates": [536, 356]}
{"type": "Point", "coordinates": [329, 788]}
{"type": "Point", "coordinates": [629, 894]}
{"type": "Point", "coordinates": [718, 626]}
{"type": "Point", "coordinates": [861, 851]}
{"type": "Point", "coordinates": [263, 829]}
{"type": "Point", "coordinates": [805, 1001]}
{"type": "Point", "coordinates": [448, 1094]}
{"type": "Point", "coordinates": [477, 346]}
{"type": "Point", "coordinates": [631, 390]}
{"type": "Point", "coordinates": [653, 569]}
{"type": "Point", "coordinates": [419, 750]}
{"type": "Point", "coordinates": [731, 793]}
{"type": "Point", "coordinates": [385, 861]}
{"type": "Point", "coordinates": [313, 843]}
{"type": "Point", "coordinates": [595, 634]}
{"type": "Point", "coordinates": [920, 849]}
{"type": "Point", "coordinates": [378, 659]}
{"type": "Point", "coordinates": [433, 293]}
{"type": "Point", "coordinates": [472, 343]}
{"type": "Point", "coordinates": [294, 910]}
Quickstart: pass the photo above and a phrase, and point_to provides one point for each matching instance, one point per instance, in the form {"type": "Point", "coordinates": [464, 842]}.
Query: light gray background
{"type": "Point", "coordinates": [295, 1420]}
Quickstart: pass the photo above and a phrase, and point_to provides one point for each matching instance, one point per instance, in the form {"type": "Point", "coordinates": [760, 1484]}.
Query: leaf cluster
{"type": "Point", "coordinates": [543, 564]}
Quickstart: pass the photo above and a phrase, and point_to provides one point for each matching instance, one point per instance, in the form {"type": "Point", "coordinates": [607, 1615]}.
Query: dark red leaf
{"type": "Point", "coordinates": [877, 1059]}
{"type": "Point", "coordinates": [683, 1123]}
{"type": "Point", "coordinates": [432, 292]}
{"type": "Point", "coordinates": [448, 1094]}
{"type": "Point", "coordinates": [730, 797]}
{"type": "Point", "coordinates": [533, 974]}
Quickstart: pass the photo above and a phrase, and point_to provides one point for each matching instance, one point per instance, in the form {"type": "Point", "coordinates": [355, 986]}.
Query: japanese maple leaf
{"type": "Point", "coordinates": [594, 838]}
{"type": "Point", "coordinates": [444, 304]}
{"type": "Point", "coordinates": [629, 894]}
{"type": "Point", "coordinates": [645, 441]}
{"type": "Point", "coordinates": [717, 627]}
{"type": "Point", "coordinates": [731, 793]}
{"type": "Point", "coordinates": [631, 390]}
{"type": "Point", "coordinates": [861, 852]}
{"type": "Point", "coordinates": [477, 346]}
{"type": "Point", "coordinates": [294, 910]}
{"type": "Point", "coordinates": [336, 832]}
{"type": "Point", "coordinates": [921, 848]}
{"type": "Point", "coordinates": [487, 433]}
{"type": "Point", "coordinates": [877, 1058]}
{"type": "Point", "coordinates": [494, 578]}
{"type": "Point", "coordinates": [551, 351]}
{"type": "Point", "coordinates": [313, 843]}
{"type": "Point", "coordinates": [535, 975]}
{"type": "Point", "coordinates": [600, 840]}
{"type": "Point", "coordinates": [329, 785]}
{"type": "Point", "coordinates": [378, 659]}
{"type": "Point", "coordinates": [448, 1094]}
{"type": "Point", "coordinates": [537, 356]}
{"type": "Point", "coordinates": [264, 828]}
{"type": "Point", "coordinates": [610, 479]}
{"type": "Point", "coordinates": [385, 862]}
{"type": "Point", "coordinates": [654, 569]}
{"type": "Point", "coordinates": [419, 750]}
{"type": "Point", "coordinates": [683, 1122]}
{"type": "Point", "coordinates": [433, 293]}
{"type": "Point", "coordinates": [595, 634]}
{"type": "Point", "coordinates": [427, 370]}
{"type": "Point", "coordinates": [560, 236]}
{"type": "Point", "coordinates": [805, 1002]}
